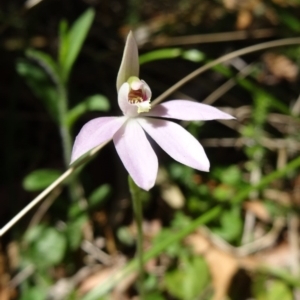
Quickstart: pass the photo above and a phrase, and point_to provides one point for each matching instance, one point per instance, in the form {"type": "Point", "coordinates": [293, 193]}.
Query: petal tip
{"type": "Point", "coordinates": [130, 61]}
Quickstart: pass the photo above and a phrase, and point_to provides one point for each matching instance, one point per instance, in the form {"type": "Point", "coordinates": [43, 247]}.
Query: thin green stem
{"type": "Point", "coordinates": [64, 129]}
{"type": "Point", "coordinates": [138, 214]}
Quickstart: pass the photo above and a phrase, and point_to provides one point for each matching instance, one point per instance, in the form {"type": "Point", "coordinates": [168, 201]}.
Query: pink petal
{"type": "Point", "coordinates": [177, 142]}
{"type": "Point", "coordinates": [130, 62]}
{"type": "Point", "coordinates": [137, 154]}
{"type": "Point", "coordinates": [187, 110]}
{"type": "Point", "coordinates": [94, 133]}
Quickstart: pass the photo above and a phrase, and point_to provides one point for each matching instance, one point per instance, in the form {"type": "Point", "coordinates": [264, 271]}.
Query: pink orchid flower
{"type": "Point", "coordinates": [128, 131]}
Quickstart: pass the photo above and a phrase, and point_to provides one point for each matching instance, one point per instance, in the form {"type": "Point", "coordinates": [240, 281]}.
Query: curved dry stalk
{"type": "Point", "coordinates": [214, 37]}
{"type": "Point", "coordinates": [49, 189]}
{"type": "Point", "coordinates": [229, 56]}
{"type": "Point", "coordinates": [69, 172]}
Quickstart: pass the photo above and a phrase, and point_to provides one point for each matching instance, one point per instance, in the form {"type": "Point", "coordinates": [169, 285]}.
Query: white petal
{"type": "Point", "coordinates": [129, 110]}
{"type": "Point", "coordinates": [130, 61]}
{"type": "Point", "coordinates": [94, 133]}
{"type": "Point", "coordinates": [177, 142]}
{"type": "Point", "coordinates": [187, 110]}
{"type": "Point", "coordinates": [137, 154]}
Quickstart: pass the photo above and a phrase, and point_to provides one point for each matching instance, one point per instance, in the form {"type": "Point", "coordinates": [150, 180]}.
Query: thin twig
{"type": "Point", "coordinates": [225, 87]}
{"type": "Point", "coordinates": [214, 37]}
{"type": "Point", "coordinates": [266, 241]}
{"type": "Point", "coordinates": [226, 57]}
{"type": "Point", "coordinates": [44, 207]}
{"type": "Point", "coordinates": [36, 200]}
{"type": "Point", "coordinates": [50, 188]}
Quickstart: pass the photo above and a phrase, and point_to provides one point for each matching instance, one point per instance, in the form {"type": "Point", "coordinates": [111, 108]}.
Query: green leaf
{"type": "Point", "coordinates": [278, 290]}
{"type": "Point", "coordinates": [39, 82]}
{"type": "Point", "coordinates": [40, 179]}
{"type": "Point", "coordinates": [167, 53]}
{"type": "Point", "coordinates": [154, 296]}
{"type": "Point", "coordinates": [74, 231]}
{"type": "Point", "coordinates": [185, 282]}
{"type": "Point", "coordinates": [50, 248]}
{"type": "Point", "coordinates": [47, 246]}
{"type": "Point", "coordinates": [46, 62]}
{"type": "Point", "coordinates": [231, 224]}
{"type": "Point", "coordinates": [265, 288]}
{"type": "Point", "coordinates": [99, 195]}
{"type": "Point", "coordinates": [64, 41]}
{"type": "Point", "coordinates": [171, 53]}
{"type": "Point", "coordinates": [231, 175]}
{"type": "Point", "coordinates": [125, 236]}
{"type": "Point", "coordinates": [289, 20]}
{"type": "Point", "coordinates": [33, 234]}
{"type": "Point", "coordinates": [72, 42]}
{"type": "Point", "coordinates": [92, 103]}
{"type": "Point", "coordinates": [193, 55]}
{"type": "Point", "coordinates": [33, 293]}
{"type": "Point", "coordinates": [157, 248]}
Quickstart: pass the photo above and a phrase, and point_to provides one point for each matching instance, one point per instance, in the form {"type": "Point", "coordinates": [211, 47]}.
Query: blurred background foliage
{"type": "Point", "coordinates": [232, 233]}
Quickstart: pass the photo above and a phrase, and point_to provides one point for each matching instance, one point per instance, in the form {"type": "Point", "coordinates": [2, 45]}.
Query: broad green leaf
{"type": "Point", "coordinates": [92, 103]}
{"type": "Point", "coordinates": [34, 293]}
{"type": "Point", "coordinates": [154, 296]}
{"type": "Point", "coordinates": [50, 248]}
{"type": "Point", "coordinates": [99, 195]}
{"type": "Point", "coordinates": [278, 290]}
{"type": "Point", "coordinates": [73, 41]}
{"type": "Point", "coordinates": [40, 83]}
{"type": "Point", "coordinates": [33, 234]}
{"type": "Point", "coordinates": [231, 175]}
{"type": "Point", "coordinates": [188, 281]}
{"type": "Point", "coordinates": [231, 224]}
{"type": "Point", "coordinates": [265, 288]}
{"type": "Point", "coordinates": [40, 179]}
{"type": "Point", "coordinates": [46, 246]}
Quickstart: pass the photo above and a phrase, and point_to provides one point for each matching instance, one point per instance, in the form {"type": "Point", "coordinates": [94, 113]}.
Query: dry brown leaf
{"type": "Point", "coordinates": [280, 197]}
{"type": "Point", "coordinates": [244, 19]}
{"type": "Point", "coordinates": [241, 5]}
{"type": "Point", "coordinates": [4, 293]}
{"type": "Point", "coordinates": [222, 265]}
{"type": "Point", "coordinates": [258, 209]}
{"type": "Point", "coordinates": [94, 280]}
{"type": "Point", "coordinates": [277, 257]}
{"type": "Point", "coordinates": [97, 279]}
{"type": "Point", "coordinates": [280, 66]}
{"type": "Point", "coordinates": [170, 192]}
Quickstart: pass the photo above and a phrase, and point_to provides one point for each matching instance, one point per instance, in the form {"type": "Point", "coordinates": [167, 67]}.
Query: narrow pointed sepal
{"type": "Point", "coordinates": [130, 61]}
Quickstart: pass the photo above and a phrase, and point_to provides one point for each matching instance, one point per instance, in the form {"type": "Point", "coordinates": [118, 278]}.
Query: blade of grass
{"type": "Point", "coordinates": [106, 286]}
